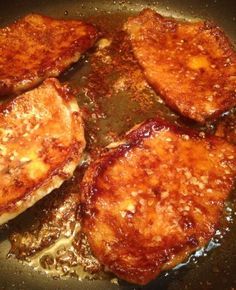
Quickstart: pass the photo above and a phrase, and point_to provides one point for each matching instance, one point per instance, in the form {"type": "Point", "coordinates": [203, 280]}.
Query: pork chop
{"type": "Point", "coordinates": [191, 64]}
{"type": "Point", "coordinates": [41, 142]}
{"type": "Point", "coordinates": [36, 47]}
{"type": "Point", "coordinates": [154, 199]}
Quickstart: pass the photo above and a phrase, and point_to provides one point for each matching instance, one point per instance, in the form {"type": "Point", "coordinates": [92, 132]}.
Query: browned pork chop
{"type": "Point", "coordinates": [41, 142]}
{"type": "Point", "coordinates": [151, 201]}
{"type": "Point", "coordinates": [192, 65]}
{"type": "Point", "coordinates": [36, 47]}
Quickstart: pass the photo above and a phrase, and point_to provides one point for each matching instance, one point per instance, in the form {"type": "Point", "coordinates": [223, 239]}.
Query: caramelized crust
{"type": "Point", "coordinates": [192, 65]}
{"type": "Point", "coordinates": [154, 199]}
{"type": "Point", "coordinates": [41, 142]}
{"type": "Point", "coordinates": [37, 47]}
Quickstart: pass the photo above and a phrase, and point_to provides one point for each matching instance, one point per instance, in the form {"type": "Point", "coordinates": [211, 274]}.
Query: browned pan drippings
{"type": "Point", "coordinates": [113, 96]}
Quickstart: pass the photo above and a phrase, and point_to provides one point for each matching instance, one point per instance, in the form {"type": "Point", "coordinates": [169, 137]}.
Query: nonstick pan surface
{"type": "Point", "coordinates": [213, 269]}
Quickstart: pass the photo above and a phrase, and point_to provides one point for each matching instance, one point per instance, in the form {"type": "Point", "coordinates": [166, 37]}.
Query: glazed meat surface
{"type": "Point", "coordinates": [155, 198]}
{"type": "Point", "coordinates": [41, 142]}
{"type": "Point", "coordinates": [192, 65]}
{"type": "Point", "coordinates": [36, 47]}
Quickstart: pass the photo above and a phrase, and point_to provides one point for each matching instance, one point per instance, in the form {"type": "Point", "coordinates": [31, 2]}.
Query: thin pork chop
{"type": "Point", "coordinates": [192, 65]}
{"type": "Point", "coordinates": [36, 47]}
{"type": "Point", "coordinates": [41, 142]}
{"type": "Point", "coordinates": [150, 202]}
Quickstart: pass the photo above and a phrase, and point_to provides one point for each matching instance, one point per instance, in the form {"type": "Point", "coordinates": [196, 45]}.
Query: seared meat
{"type": "Point", "coordinates": [152, 200]}
{"type": "Point", "coordinates": [41, 142]}
{"type": "Point", "coordinates": [192, 65]}
{"type": "Point", "coordinates": [37, 47]}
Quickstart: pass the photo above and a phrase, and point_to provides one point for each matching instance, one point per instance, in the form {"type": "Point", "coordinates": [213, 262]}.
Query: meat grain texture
{"type": "Point", "coordinates": [36, 47]}
{"type": "Point", "coordinates": [191, 64]}
{"type": "Point", "coordinates": [154, 199]}
{"type": "Point", "coordinates": [40, 145]}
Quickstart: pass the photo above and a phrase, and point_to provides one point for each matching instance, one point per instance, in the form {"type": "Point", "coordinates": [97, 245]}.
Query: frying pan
{"type": "Point", "coordinates": [215, 269]}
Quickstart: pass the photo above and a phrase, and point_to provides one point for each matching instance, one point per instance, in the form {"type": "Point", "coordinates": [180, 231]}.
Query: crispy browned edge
{"type": "Point", "coordinates": [72, 158]}
{"type": "Point", "coordinates": [224, 41]}
{"type": "Point", "coordinates": [73, 55]}
{"type": "Point", "coordinates": [132, 139]}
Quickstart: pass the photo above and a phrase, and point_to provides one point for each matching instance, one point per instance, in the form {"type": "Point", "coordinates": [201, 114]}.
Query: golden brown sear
{"type": "Point", "coordinates": [36, 47]}
{"type": "Point", "coordinates": [41, 142]}
{"type": "Point", "coordinates": [155, 198]}
{"type": "Point", "coordinates": [192, 65]}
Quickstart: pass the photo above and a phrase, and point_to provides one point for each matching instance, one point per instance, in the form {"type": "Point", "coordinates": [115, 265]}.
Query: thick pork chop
{"type": "Point", "coordinates": [41, 142]}
{"type": "Point", "coordinates": [150, 202]}
{"type": "Point", "coordinates": [192, 65]}
{"type": "Point", "coordinates": [36, 47]}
